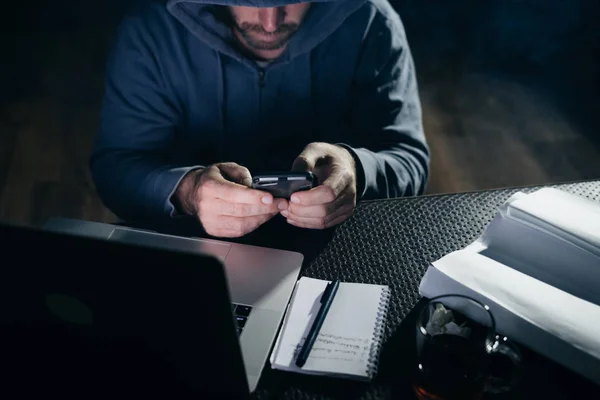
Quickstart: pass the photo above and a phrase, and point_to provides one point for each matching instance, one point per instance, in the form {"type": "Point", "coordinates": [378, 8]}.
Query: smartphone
{"type": "Point", "coordinates": [283, 184]}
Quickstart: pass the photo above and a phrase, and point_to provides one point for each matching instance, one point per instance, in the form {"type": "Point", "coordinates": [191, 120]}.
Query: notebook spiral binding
{"type": "Point", "coordinates": [380, 323]}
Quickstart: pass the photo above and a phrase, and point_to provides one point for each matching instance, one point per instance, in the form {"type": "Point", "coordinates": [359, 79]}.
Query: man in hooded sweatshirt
{"type": "Point", "coordinates": [201, 94]}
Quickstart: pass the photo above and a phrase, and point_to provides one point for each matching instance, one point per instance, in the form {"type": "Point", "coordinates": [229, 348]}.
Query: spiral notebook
{"type": "Point", "coordinates": [349, 342]}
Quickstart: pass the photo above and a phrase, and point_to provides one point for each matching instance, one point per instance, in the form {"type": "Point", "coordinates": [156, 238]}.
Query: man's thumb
{"type": "Point", "coordinates": [305, 161]}
{"type": "Point", "coordinates": [236, 173]}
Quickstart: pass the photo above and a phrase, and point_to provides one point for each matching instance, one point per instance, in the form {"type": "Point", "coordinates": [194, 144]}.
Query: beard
{"type": "Point", "coordinates": [278, 39]}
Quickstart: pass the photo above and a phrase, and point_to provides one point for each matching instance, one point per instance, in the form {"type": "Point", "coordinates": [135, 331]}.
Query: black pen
{"type": "Point", "coordinates": [326, 300]}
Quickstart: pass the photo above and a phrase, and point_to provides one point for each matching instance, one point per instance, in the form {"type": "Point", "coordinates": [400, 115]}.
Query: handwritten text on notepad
{"type": "Point", "coordinates": [335, 347]}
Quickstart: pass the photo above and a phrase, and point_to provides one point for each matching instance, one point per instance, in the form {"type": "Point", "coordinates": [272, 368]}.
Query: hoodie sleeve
{"type": "Point", "coordinates": [389, 145]}
{"type": "Point", "coordinates": [132, 161]}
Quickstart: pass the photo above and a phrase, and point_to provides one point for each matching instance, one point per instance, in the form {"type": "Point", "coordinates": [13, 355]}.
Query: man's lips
{"type": "Point", "coordinates": [267, 37]}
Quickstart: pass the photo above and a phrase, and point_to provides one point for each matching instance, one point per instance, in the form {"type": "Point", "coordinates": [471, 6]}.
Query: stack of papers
{"type": "Point", "coordinates": [537, 266]}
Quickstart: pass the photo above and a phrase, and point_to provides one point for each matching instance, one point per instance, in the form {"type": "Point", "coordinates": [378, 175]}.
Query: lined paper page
{"type": "Point", "coordinates": [345, 341]}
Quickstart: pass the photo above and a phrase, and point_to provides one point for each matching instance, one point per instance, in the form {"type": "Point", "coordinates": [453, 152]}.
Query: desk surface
{"type": "Point", "coordinates": [392, 242]}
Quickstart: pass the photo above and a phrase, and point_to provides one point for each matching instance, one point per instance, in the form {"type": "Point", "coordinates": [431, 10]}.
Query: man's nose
{"type": "Point", "coordinates": [270, 18]}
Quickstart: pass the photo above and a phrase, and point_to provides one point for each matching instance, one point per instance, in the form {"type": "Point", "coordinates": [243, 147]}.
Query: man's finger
{"type": "Point", "coordinates": [317, 196]}
{"type": "Point", "coordinates": [234, 192]}
{"type": "Point", "coordinates": [332, 188]}
{"type": "Point", "coordinates": [338, 180]}
{"type": "Point", "coordinates": [223, 207]}
{"type": "Point", "coordinates": [243, 224]}
{"type": "Point", "coordinates": [312, 224]}
{"type": "Point", "coordinates": [315, 211]}
{"type": "Point", "coordinates": [238, 226]}
{"type": "Point", "coordinates": [236, 173]}
{"type": "Point", "coordinates": [321, 222]}
{"type": "Point", "coordinates": [307, 160]}
{"type": "Point", "coordinates": [224, 233]}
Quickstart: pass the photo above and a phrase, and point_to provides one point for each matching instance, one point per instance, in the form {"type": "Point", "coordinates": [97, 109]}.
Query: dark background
{"type": "Point", "coordinates": [510, 94]}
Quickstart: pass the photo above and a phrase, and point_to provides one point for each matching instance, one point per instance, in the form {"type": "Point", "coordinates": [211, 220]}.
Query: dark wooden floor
{"type": "Point", "coordinates": [487, 128]}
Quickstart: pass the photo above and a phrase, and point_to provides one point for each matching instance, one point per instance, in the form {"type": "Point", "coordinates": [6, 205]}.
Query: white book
{"type": "Point", "coordinates": [537, 265]}
{"type": "Point", "coordinates": [349, 341]}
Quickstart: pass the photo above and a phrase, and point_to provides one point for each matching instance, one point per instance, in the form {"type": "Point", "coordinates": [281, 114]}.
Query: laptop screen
{"type": "Point", "coordinates": [84, 316]}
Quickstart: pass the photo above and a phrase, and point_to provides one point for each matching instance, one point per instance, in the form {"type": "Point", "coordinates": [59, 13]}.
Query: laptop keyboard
{"type": "Point", "coordinates": [241, 312]}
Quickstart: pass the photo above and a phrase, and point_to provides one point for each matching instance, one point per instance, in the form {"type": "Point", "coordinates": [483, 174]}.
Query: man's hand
{"type": "Point", "coordinates": [334, 200]}
{"type": "Point", "coordinates": [221, 197]}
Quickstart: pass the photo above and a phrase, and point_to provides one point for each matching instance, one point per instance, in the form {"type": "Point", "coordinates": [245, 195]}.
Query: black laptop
{"type": "Point", "coordinates": [88, 318]}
